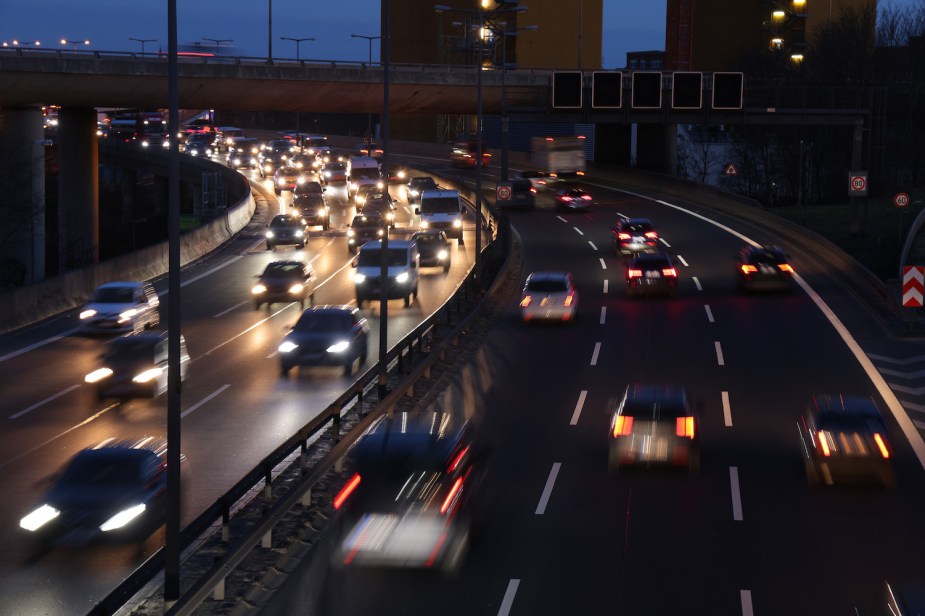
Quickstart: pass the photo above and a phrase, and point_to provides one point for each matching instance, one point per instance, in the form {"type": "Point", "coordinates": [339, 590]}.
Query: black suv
{"type": "Point", "coordinates": [285, 229]}
{"type": "Point", "coordinates": [325, 336]}
{"type": "Point", "coordinates": [415, 490]}
{"type": "Point", "coordinates": [418, 185]}
{"type": "Point", "coordinates": [365, 227]}
{"type": "Point", "coordinates": [285, 281]}
{"type": "Point", "coordinates": [312, 209]}
{"type": "Point", "coordinates": [763, 268]}
{"type": "Point", "coordinates": [649, 273]}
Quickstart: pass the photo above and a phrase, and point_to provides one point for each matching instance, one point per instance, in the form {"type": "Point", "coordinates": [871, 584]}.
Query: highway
{"type": "Point", "coordinates": [236, 409]}
{"type": "Point", "coordinates": [746, 537]}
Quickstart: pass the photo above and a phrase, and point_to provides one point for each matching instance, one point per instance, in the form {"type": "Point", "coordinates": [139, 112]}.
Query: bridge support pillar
{"type": "Point", "coordinates": [78, 185]}
{"type": "Point", "coordinates": [22, 196]}
{"type": "Point", "coordinates": [613, 144]}
{"type": "Point", "coordinates": [651, 153]}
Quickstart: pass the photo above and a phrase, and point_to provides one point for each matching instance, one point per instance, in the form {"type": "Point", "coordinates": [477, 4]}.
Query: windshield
{"type": "Point", "coordinates": [371, 258]}
{"type": "Point", "coordinates": [283, 221]}
{"type": "Point", "coordinates": [103, 469]}
{"type": "Point", "coordinates": [547, 286]}
{"type": "Point", "coordinates": [440, 205]}
{"type": "Point", "coordinates": [323, 322]}
{"type": "Point", "coordinates": [114, 295]}
{"type": "Point", "coordinates": [283, 269]}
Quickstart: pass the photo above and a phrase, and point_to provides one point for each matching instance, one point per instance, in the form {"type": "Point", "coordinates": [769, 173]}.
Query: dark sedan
{"type": "Point", "coordinates": [760, 268]}
{"type": "Point", "coordinates": [312, 209]}
{"type": "Point", "coordinates": [325, 336]}
{"type": "Point", "coordinates": [365, 228]}
{"type": "Point", "coordinates": [285, 229]}
{"type": "Point", "coordinates": [285, 281]}
{"type": "Point", "coordinates": [651, 273]}
{"type": "Point", "coordinates": [433, 248]}
{"type": "Point", "coordinates": [572, 199]}
{"type": "Point", "coordinates": [114, 491]}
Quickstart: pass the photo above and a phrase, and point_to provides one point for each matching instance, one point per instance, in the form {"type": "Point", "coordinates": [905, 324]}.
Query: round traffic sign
{"type": "Point", "coordinates": [504, 192]}
{"type": "Point", "coordinates": [858, 182]}
{"type": "Point", "coordinates": [901, 200]}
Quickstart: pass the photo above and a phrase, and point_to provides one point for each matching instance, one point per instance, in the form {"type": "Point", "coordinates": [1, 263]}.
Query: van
{"type": "Point", "coordinates": [362, 170]}
{"type": "Point", "coordinates": [442, 210]}
{"type": "Point", "coordinates": [403, 271]}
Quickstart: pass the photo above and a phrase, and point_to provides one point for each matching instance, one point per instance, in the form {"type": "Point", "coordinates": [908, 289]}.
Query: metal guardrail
{"type": "Point", "coordinates": [262, 474]}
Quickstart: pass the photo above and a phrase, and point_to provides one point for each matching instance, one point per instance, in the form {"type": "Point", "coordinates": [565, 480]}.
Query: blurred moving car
{"type": "Point", "coordinates": [334, 172]}
{"type": "Point", "coordinates": [312, 209]}
{"type": "Point", "coordinates": [418, 185]}
{"type": "Point", "coordinates": [633, 235]}
{"type": "Point", "coordinates": [287, 177]}
{"type": "Point", "coordinates": [845, 439]}
{"type": "Point", "coordinates": [285, 229]}
{"type": "Point", "coordinates": [365, 228]}
{"type": "Point", "coordinates": [393, 173]}
{"type": "Point", "coordinates": [523, 196]}
{"type": "Point", "coordinates": [115, 491]}
{"type": "Point", "coordinates": [119, 307]}
{"type": "Point", "coordinates": [572, 199]}
{"type": "Point", "coordinates": [549, 296]}
{"type": "Point", "coordinates": [135, 366]}
{"type": "Point", "coordinates": [654, 425]}
{"type": "Point", "coordinates": [325, 336]}
{"type": "Point", "coordinates": [271, 161]}
{"type": "Point", "coordinates": [433, 248]}
{"type": "Point", "coordinates": [378, 202]}
{"type": "Point", "coordinates": [651, 274]}
{"type": "Point", "coordinates": [285, 281]}
{"type": "Point", "coordinates": [413, 501]}
{"type": "Point", "coordinates": [402, 271]}
{"type": "Point", "coordinates": [763, 268]}
{"type": "Point", "coordinates": [538, 179]}
{"type": "Point", "coordinates": [199, 144]}
{"type": "Point", "coordinates": [308, 187]}
{"type": "Point", "coordinates": [242, 153]}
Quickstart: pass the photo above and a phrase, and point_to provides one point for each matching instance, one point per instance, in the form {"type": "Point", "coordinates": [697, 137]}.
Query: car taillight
{"type": "Point", "coordinates": [569, 299]}
{"type": "Point", "coordinates": [533, 190]}
{"type": "Point", "coordinates": [586, 197]}
{"type": "Point", "coordinates": [684, 427]}
{"type": "Point", "coordinates": [454, 464]}
{"type": "Point", "coordinates": [670, 272]}
{"type": "Point", "coordinates": [347, 490]}
{"type": "Point", "coordinates": [623, 236]}
{"type": "Point", "coordinates": [784, 267]}
{"type": "Point", "coordinates": [882, 445]}
{"type": "Point", "coordinates": [749, 269]}
{"type": "Point", "coordinates": [824, 443]}
{"type": "Point", "coordinates": [457, 485]}
{"type": "Point", "coordinates": [634, 273]}
{"type": "Point", "coordinates": [525, 301]}
{"type": "Point", "coordinates": [652, 235]}
{"type": "Point", "coordinates": [623, 426]}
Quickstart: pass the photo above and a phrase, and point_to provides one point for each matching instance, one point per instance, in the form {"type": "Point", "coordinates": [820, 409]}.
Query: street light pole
{"type": "Point", "coordinates": [505, 124]}
{"type": "Point", "coordinates": [298, 42]}
{"type": "Point", "coordinates": [270, 31]}
{"type": "Point", "coordinates": [142, 41]}
{"type": "Point", "coordinates": [369, 118]}
{"type": "Point", "coordinates": [384, 262]}
{"type": "Point", "coordinates": [74, 43]}
{"type": "Point", "coordinates": [218, 42]}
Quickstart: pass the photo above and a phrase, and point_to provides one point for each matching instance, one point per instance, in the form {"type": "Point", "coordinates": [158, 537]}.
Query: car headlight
{"type": "Point", "coordinates": [442, 255]}
{"type": "Point", "coordinates": [359, 278]}
{"type": "Point", "coordinates": [147, 376]}
{"type": "Point", "coordinates": [339, 347]}
{"type": "Point", "coordinates": [144, 144]}
{"type": "Point", "coordinates": [380, 233]}
{"type": "Point", "coordinates": [270, 234]}
{"type": "Point", "coordinates": [298, 165]}
{"type": "Point", "coordinates": [86, 314]}
{"type": "Point", "coordinates": [390, 215]}
{"type": "Point", "coordinates": [327, 174]}
{"type": "Point", "coordinates": [268, 168]}
{"type": "Point", "coordinates": [360, 199]}
{"type": "Point", "coordinates": [237, 161]}
{"type": "Point", "coordinates": [287, 346]}
{"type": "Point", "coordinates": [402, 278]}
{"type": "Point", "coordinates": [259, 288]}
{"type": "Point", "coordinates": [193, 152]}
{"type": "Point", "coordinates": [98, 375]}
{"type": "Point", "coordinates": [127, 315]}
{"type": "Point", "coordinates": [424, 224]}
{"type": "Point", "coordinates": [122, 518]}
{"type": "Point", "coordinates": [39, 518]}
{"type": "Point", "coordinates": [379, 185]}
{"type": "Point", "coordinates": [299, 233]}
{"type": "Point", "coordinates": [401, 175]}
{"type": "Point", "coordinates": [457, 224]}
{"type": "Point", "coordinates": [295, 289]}
{"type": "Point", "coordinates": [413, 193]}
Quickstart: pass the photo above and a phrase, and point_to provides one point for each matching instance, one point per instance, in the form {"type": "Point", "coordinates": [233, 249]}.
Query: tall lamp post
{"type": "Point", "coordinates": [142, 41]}
{"type": "Point", "coordinates": [481, 15]}
{"type": "Point", "coordinates": [218, 42]}
{"type": "Point", "coordinates": [298, 42]}
{"type": "Point", "coordinates": [505, 125]}
{"type": "Point", "coordinates": [369, 118]}
{"type": "Point", "coordinates": [65, 41]}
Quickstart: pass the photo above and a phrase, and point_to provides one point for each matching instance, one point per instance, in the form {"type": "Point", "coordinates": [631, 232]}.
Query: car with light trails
{"type": "Point", "coordinates": [119, 307]}
{"type": "Point", "coordinates": [651, 274]}
{"type": "Point", "coordinates": [285, 281]}
{"type": "Point", "coordinates": [135, 366]}
{"type": "Point", "coordinates": [633, 236]}
{"type": "Point", "coordinates": [325, 336]}
{"type": "Point", "coordinates": [285, 229]}
{"type": "Point", "coordinates": [763, 268]}
{"type": "Point", "coordinates": [549, 296]}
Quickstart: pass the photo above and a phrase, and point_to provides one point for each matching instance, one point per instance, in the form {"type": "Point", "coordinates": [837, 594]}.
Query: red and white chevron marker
{"type": "Point", "coordinates": [913, 285]}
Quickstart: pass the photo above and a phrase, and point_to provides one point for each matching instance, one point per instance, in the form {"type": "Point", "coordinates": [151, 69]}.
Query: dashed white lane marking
{"type": "Point", "coordinates": [719, 353]}
{"type": "Point", "coordinates": [45, 401]}
{"type": "Point", "coordinates": [579, 230]}
{"type": "Point", "coordinates": [562, 219]}
{"type": "Point", "coordinates": [204, 400]}
{"type": "Point", "coordinates": [603, 314]}
{"type": "Point", "coordinates": [227, 310]}
{"type": "Point", "coordinates": [597, 351]}
{"type": "Point", "coordinates": [727, 410]}
{"type": "Point", "coordinates": [709, 313]}
{"type": "Point", "coordinates": [547, 490]}
{"type": "Point", "coordinates": [747, 603]}
{"type": "Point", "coordinates": [508, 599]}
{"type": "Point", "coordinates": [683, 262]}
{"type": "Point", "coordinates": [662, 240]}
{"type": "Point", "coordinates": [578, 406]}
{"type": "Point", "coordinates": [697, 283]}
{"type": "Point", "coordinates": [736, 496]}
{"type": "Point", "coordinates": [593, 247]}
{"type": "Point", "coordinates": [603, 265]}
{"type": "Point", "coordinates": [606, 285]}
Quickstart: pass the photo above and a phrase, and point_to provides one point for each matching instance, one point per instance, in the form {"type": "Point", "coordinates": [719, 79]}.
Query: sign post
{"type": "Point", "coordinates": [901, 200]}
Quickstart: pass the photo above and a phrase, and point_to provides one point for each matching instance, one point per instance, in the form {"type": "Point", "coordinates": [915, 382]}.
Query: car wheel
{"type": "Point", "coordinates": [284, 369]}
{"type": "Point", "coordinates": [446, 267]}
{"type": "Point", "coordinates": [256, 305]}
{"type": "Point", "coordinates": [301, 246]}
{"type": "Point", "coordinates": [277, 190]}
{"type": "Point", "coordinates": [407, 300]}
{"type": "Point", "coordinates": [269, 246]}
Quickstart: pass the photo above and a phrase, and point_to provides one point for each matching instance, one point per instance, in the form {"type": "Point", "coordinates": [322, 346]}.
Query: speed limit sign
{"type": "Point", "coordinates": [857, 184]}
{"type": "Point", "coordinates": [901, 200]}
{"type": "Point", "coordinates": [504, 191]}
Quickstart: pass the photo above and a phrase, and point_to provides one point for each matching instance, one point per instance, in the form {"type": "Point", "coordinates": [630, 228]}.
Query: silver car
{"type": "Point", "coordinates": [121, 307]}
{"type": "Point", "coordinates": [549, 296]}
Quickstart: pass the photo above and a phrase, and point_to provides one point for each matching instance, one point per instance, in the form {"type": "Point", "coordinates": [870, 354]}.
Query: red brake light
{"type": "Point", "coordinates": [882, 445]}
{"type": "Point", "coordinates": [586, 197]}
{"type": "Point", "coordinates": [749, 269]}
{"type": "Point", "coordinates": [569, 299]}
{"type": "Point", "coordinates": [623, 236]}
{"type": "Point", "coordinates": [784, 267]}
{"type": "Point", "coordinates": [457, 485]}
{"type": "Point", "coordinates": [525, 301]}
{"type": "Point", "coordinates": [824, 443]}
{"type": "Point", "coordinates": [623, 426]}
{"type": "Point", "coordinates": [456, 460]}
{"type": "Point", "coordinates": [670, 272]}
{"type": "Point", "coordinates": [652, 235]}
{"type": "Point", "coordinates": [634, 273]}
{"type": "Point", "coordinates": [684, 427]}
{"type": "Point", "coordinates": [533, 190]}
{"type": "Point", "coordinates": [347, 490]}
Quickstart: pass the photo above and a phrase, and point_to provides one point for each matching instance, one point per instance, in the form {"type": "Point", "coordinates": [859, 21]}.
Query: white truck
{"type": "Point", "coordinates": [558, 156]}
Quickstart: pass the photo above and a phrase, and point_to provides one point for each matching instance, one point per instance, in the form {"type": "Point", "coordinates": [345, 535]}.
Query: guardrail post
{"type": "Point", "coordinates": [268, 486]}
{"type": "Point", "coordinates": [303, 456]}
{"type": "Point", "coordinates": [267, 541]}
{"type": "Point", "coordinates": [410, 391]}
{"type": "Point", "coordinates": [226, 522]}
{"type": "Point", "coordinates": [218, 593]}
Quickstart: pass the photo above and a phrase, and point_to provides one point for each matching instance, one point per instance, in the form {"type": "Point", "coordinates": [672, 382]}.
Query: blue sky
{"type": "Point", "coordinates": [108, 24]}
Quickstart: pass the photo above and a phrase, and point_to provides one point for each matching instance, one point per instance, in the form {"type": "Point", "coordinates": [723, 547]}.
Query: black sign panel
{"type": "Point", "coordinates": [686, 90]}
{"type": "Point", "coordinates": [566, 90]}
{"type": "Point", "coordinates": [727, 90]}
{"type": "Point", "coordinates": [647, 90]}
{"type": "Point", "coordinates": [607, 90]}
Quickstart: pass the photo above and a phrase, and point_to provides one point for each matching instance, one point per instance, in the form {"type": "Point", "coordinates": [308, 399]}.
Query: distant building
{"type": "Point", "coordinates": [645, 60]}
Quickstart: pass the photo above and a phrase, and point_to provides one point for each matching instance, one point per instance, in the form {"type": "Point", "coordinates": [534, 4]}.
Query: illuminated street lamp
{"type": "Point", "coordinates": [298, 42]}
{"type": "Point", "coordinates": [65, 41]}
{"type": "Point", "coordinates": [20, 42]}
{"type": "Point", "coordinates": [142, 41]}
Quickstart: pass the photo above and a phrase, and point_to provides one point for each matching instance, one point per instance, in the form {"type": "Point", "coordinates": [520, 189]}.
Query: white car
{"type": "Point", "coordinates": [549, 296]}
{"type": "Point", "coordinates": [120, 307]}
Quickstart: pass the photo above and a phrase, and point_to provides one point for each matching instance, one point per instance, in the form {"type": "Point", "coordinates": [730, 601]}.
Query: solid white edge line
{"type": "Point", "coordinates": [578, 406]}
{"type": "Point", "coordinates": [719, 353]}
{"type": "Point", "coordinates": [746, 596]}
{"type": "Point", "coordinates": [603, 314]}
{"type": "Point", "coordinates": [709, 313]}
{"type": "Point", "coordinates": [508, 599]}
{"type": "Point", "coordinates": [597, 351]}
{"type": "Point", "coordinates": [593, 247]}
{"type": "Point", "coordinates": [226, 311]}
{"type": "Point", "coordinates": [697, 283]}
{"type": "Point", "coordinates": [683, 262]}
{"type": "Point", "coordinates": [547, 490]}
{"type": "Point", "coordinates": [48, 399]}
{"type": "Point", "coordinates": [727, 410]}
{"type": "Point", "coordinates": [606, 285]}
{"type": "Point", "coordinates": [578, 230]}
{"type": "Point", "coordinates": [39, 344]}
{"type": "Point", "coordinates": [204, 400]}
{"type": "Point", "coordinates": [603, 264]}
{"type": "Point", "coordinates": [736, 496]}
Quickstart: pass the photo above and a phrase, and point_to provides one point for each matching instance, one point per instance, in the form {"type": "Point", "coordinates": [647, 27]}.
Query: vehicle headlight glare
{"type": "Point", "coordinates": [122, 518]}
{"type": "Point", "coordinates": [295, 289]}
{"type": "Point", "coordinates": [270, 234]}
{"type": "Point", "coordinates": [424, 224]}
{"type": "Point", "coordinates": [98, 375]}
{"type": "Point", "coordinates": [402, 278]}
{"type": "Point", "coordinates": [259, 288]}
{"type": "Point", "coordinates": [339, 347]}
{"type": "Point", "coordinates": [39, 518]}
{"type": "Point", "coordinates": [299, 233]}
{"type": "Point", "coordinates": [457, 224]}
{"type": "Point", "coordinates": [86, 314]}
{"type": "Point", "coordinates": [301, 180]}
{"type": "Point", "coordinates": [287, 346]}
{"type": "Point", "coordinates": [359, 278]}
{"type": "Point", "coordinates": [442, 255]}
{"type": "Point", "coordinates": [147, 375]}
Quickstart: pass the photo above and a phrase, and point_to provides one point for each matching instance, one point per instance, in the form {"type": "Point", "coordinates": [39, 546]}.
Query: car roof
{"type": "Point", "coordinates": [646, 399]}
{"type": "Point", "coordinates": [549, 276]}
{"type": "Point", "coordinates": [281, 218]}
{"type": "Point", "coordinates": [373, 217]}
{"type": "Point", "coordinates": [440, 192]}
{"type": "Point", "coordinates": [425, 442]}
{"type": "Point", "coordinates": [859, 406]}
{"type": "Point", "coordinates": [429, 233]}
{"type": "Point", "coordinates": [637, 221]}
